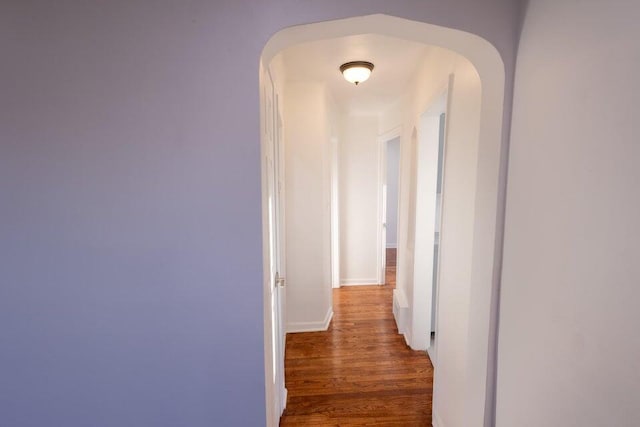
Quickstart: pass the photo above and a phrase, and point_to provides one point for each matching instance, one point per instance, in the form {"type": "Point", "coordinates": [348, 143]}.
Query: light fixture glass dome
{"type": "Point", "coordinates": [357, 71]}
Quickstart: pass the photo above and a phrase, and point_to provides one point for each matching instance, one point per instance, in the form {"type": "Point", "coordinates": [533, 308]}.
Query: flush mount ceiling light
{"type": "Point", "coordinates": [356, 71]}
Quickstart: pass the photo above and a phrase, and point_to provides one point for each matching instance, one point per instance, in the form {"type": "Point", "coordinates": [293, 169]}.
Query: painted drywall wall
{"type": "Point", "coordinates": [393, 179]}
{"type": "Point", "coordinates": [359, 217]}
{"type": "Point", "coordinates": [131, 266]}
{"type": "Point", "coordinates": [335, 131]}
{"type": "Point", "coordinates": [451, 403]}
{"type": "Point", "coordinates": [130, 179]}
{"type": "Point", "coordinates": [570, 278]}
{"type": "Point", "coordinates": [307, 206]}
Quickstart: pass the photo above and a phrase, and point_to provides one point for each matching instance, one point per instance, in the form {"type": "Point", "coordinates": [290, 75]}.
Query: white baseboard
{"type": "Point", "coordinates": [436, 421]}
{"type": "Point", "coordinates": [400, 310]}
{"type": "Point", "coordinates": [359, 282]}
{"type": "Point", "coordinates": [286, 397]}
{"type": "Point", "coordinates": [407, 338]}
{"type": "Point", "coordinates": [401, 314]}
{"type": "Point", "coordinates": [320, 326]}
{"type": "Point", "coordinates": [392, 246]}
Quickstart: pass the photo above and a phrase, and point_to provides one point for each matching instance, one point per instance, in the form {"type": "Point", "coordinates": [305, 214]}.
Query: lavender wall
{"type": "Point", "coordinates": [130, 253]}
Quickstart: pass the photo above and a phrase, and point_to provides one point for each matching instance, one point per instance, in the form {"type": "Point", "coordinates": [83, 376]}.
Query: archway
{"type": "Point", "coordinates": [476, 342]}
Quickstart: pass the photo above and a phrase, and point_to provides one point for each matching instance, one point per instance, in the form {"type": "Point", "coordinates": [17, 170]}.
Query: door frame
{"type": "Point", "coordinates": [272, 246]}
{"type": "Point", "coordinates": [281, 243]}
{"type": "Point", "coordinates": [426, 217]}
{"type": "Point", "coordinates": [382, 202]}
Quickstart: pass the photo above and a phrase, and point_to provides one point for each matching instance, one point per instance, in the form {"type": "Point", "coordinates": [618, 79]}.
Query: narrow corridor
{"type": "Point", "coordinates": [359, 372]}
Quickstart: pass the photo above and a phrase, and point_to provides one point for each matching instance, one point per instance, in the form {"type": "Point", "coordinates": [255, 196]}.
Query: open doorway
{"type": "Point", "coordinates": [389, 145]}
{"type": "Point", "coordinates": [390, 201]}
{"type": "Point", "coordinates": [464, 257]}
{"type": "Point", "coordinates": [430, 156]}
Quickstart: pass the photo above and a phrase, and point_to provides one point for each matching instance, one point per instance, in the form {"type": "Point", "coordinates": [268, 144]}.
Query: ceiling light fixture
{"type": "Point", "coordinates": [356, 71]}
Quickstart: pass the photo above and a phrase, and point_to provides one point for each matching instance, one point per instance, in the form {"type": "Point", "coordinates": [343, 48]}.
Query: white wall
{"type": "Point", "coordinates": [359, 157]}
{"type": "Point", "coordinates": [451, 401]}
{"type": "Point", "coordinates": [307, 182]}
{"type": "Point", "coordinates": [569, 352]}
{"type": "Point", "coordinates": [393, 179]}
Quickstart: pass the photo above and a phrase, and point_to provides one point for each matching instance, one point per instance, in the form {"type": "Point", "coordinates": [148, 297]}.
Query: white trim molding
{"type": "Point", "coordinates": [396, 132]}
{"type": "Point", "coordinates": [320, 326]}
{"type": "Point", "coordinates": [360, 282]}
{"type": "Point", "coordinates": [401, 312]}
{"type": "Point", "coordinates": [436, 421]}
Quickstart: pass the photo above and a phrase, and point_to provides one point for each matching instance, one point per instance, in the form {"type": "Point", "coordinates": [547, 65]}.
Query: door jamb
{"type": "Point", "coordinates": [421, 337]}
{"type": "Point", "coordinates": [382, 209]}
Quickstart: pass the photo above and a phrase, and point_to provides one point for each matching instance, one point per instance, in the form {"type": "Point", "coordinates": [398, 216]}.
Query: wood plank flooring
{"type": "Point", "coordinates": [360, 372]}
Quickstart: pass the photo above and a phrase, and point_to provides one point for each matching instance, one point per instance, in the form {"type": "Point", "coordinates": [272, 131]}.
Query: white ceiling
{"type": "Point", "coordinates": [395, 61]}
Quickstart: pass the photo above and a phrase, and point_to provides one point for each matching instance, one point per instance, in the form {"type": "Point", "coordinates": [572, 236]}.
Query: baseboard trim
{"type": "Point", "coordinates": [320, 326]}
{"type": "Point", "coordinates": [392, 246]}
{"type": "Point", "coordinates": [436, 421]}
{"type": "Point", "coordinates": [432, 357]}
{"type": "Point", "coordinates": [400, 312]}
{"type": "Point", "coordinates": [359, 282]}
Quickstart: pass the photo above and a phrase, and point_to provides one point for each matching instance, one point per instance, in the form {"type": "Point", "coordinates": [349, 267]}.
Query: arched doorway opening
{"type": "Point", "coordinates": [469, 255]}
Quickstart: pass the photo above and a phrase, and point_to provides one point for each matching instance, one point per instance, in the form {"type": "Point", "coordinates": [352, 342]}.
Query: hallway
{"type": "Point", "coordinates": [360, 371]}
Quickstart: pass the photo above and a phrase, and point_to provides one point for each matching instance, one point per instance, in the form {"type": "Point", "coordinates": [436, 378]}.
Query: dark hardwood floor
{"type": "Point", "coordinates": [360, 372]}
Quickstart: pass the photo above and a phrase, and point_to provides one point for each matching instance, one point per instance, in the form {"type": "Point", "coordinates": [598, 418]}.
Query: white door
{"type": "Point", "coordinates": [275, 255]}
{"type": "Point", "coordinates": [279, 253]}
